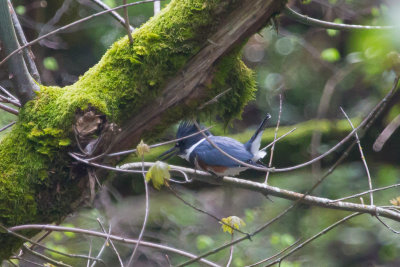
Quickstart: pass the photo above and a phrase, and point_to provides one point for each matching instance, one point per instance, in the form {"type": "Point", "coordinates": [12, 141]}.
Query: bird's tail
{"type": "Point", "coordinates": [253, 145]}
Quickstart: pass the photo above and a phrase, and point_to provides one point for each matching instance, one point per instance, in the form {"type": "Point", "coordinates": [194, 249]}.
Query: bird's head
{"type": "Point", "coordinates": [186, 128]}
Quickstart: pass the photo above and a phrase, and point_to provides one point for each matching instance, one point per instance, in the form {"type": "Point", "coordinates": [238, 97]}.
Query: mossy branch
{"type": "Point", "coordinates": [139, 89]}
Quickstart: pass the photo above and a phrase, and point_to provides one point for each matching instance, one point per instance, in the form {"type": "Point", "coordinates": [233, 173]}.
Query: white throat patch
{"type": "Point", "coordinates": [190, 149]}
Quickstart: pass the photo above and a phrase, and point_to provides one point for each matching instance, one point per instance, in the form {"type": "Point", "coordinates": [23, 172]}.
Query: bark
{"type": "Point", "coordinates": [181, 58]}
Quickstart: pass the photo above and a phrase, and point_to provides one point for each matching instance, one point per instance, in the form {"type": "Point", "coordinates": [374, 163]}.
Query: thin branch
{"type": "Point", "coordinates": [214, 99]}
{"type": "Point", "coordinates": [323, 106]}
{"type": "Point", "coordinates": [275, 135]}
{"type": "Point", "coordinates": [111, 242]}
{"type": "Point", "coordinates": [279, 138]}
{"type": "Point", "coordinates": [386, 134]}
{"type": "Point", "coordinates": [9, 109]}
{"type": "Point", "coordinates": [103, 235]}
{"type": "Point", "coordinates": [275, 255]}
{"type": "Point", "coordinates": [386, 225]}
{"type": "Point", "coordinates": [28, 54]}
{"type": "Point", "coordinates": [367, 192]}
{"type": "Point", "coordinates": [103, 247]}
{"type": "Point", "coordinates": [283, 193]}
{"type": "Point", "coordinates": [230, 252]}
{"type": "Point", "coordinates": [7, 126]}
{"type": "Point", "coordinates": [157, 6]}
{"type": "Point", "coordinates": [127, 26]}
{"type": "Point", "coordinates": [112, 13]}
{"type": "Point", "coordinates": [330, 25]}
{"type": "Point", "coordinates": [203, 211]}
{"type": "Point", "coordinates": [44, 257]}
{"type": "Point", "coordinates": [72, 24]}
{"type": "Point", "coordinates": [363, 125]}
{"type": "Point", "coordinates": [9, 100]}
{"type": "Point", "coordinates": [146, 215]}
{"type": "Point", "coordinates": [9, 94]}
{"type": "Point", "coordinates": [371, 194]}
{"type": "Point", "coordinates": [313, 238]}
{"type": "Point", "coordinates": [11, 232]}
{"type": "Point", "coordinates": [28, 261]}
{"type": "Point", "coordinates": [100, 165]}
{"type": "Point", "coordinates": [24, 84]}
{"type": "Point", "coordinates": [155, 145]}
{"type": "Point", "coordinates": [89, 253]}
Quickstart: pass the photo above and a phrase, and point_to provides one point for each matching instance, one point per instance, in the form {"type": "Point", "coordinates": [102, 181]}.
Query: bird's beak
{"type": "Point", "coordinates": [169, 153]}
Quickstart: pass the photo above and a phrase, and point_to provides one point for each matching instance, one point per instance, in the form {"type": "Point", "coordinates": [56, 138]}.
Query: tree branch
{"type": "Point", "coordinates": [330, 25]}
{"type": "Point", "coordinates": [28, 55]}
{"type": "Point", "coordinates": [198, 72]}
{"type": "Point", "coordinates": [23, 82]}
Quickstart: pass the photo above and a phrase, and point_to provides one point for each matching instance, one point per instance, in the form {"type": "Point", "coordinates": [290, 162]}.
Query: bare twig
{"type": "Point", "coordinates": [363, 125]}
{"type": "Point", "coordinates": [386, 134]}
{"type": "Point", "coordinates": [275, 135]}
{"type": "Point", "coordinates": [100, 165]}
{"type": "Point", "coordinates": [275, 255]}
{"type": "Point", "coordinates": [367, 192]}
{"type": "Point", "coordinates": [111, 242]}
{"type": "Point", "coordinates": [231, 252]}
{"type": "Point", "coordinates": [279, 138]}
{"type": "Point", "coordinates": [371, 194]}
{"type": "Point", "coordinates": [28, 261]}
{"type": "Point", "coordinates": [11, 232]}
{"type": "Point", "coordinates": [127, 26]}
{"type": "Point", "coordinates": [103, 247]}
{"type": "Point", "coordinates": [9, 109]}
{"type": "Point", "coordinates": [7, 126]}
{"type": "Point", "coordinates": [50, 24]}
{"type": "Point", "coordinates": [89, 253]}
{"type": "Point", "coordinates": [146, 215]}
{"type": "Point", "coordinates": [214, 99]}
{"type": "Point", "coordinates": [157, 6]}
{"type": "Point", "coordinates": [24, 84]}
{"type": "Point", "coordinates": [323, 106]}
{"type": "Point", "coordinates": [386, 225]}
{"type": "Point", "coordinates": [313, 238]}
{"type": "Point", "coordinates": [9, 100]}
{"type": "Point", "coordinates": [103, 235]}
{"type": "Point", "coordinates": [202, 211]}
{"type": "Point", "coordinates": [70, 25]}
{"type": "Point", "coordinates": [330, 25]}
{"type": "Point", "coordinates": [155, 145]}
{"type": "Point", "coordinates": [28, 54]}
{"type": "Point", "coordinates": [112, 13]}
{"type": "Point", "coordinates": [44, 257]}
{"type": "Point", "coordinates": [9, 94]}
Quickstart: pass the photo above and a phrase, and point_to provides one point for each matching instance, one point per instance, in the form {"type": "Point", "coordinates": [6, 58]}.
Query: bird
{"type": "Point", "coordinates": [204, 156]}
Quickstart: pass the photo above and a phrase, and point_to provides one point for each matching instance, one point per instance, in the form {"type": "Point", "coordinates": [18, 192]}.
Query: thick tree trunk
{"type": "Point", "coordinates": [184, 56]}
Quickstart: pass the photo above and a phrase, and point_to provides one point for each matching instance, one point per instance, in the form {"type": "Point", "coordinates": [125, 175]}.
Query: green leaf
{"type": "Point", "coordinates": [158, 173]}
{"type": "Point", "coordinates": [330, 55]}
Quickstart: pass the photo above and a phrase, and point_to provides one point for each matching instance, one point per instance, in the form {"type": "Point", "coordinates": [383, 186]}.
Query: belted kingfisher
{"type": "Point", "coordinates": [205, 156]}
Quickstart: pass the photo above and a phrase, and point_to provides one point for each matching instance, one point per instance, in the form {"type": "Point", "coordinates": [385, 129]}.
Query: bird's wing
{"type": "Point", "coordinates": [208, 154]}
